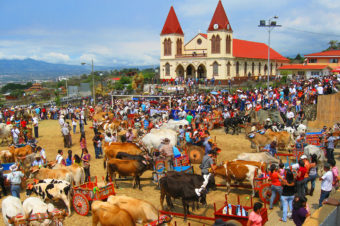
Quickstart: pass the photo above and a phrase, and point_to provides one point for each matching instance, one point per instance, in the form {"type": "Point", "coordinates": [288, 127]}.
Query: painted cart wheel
{"type": "Point", "coordinates": [195, 156]}
{"type": "Point", "coordinates": [80, 204]}
{"type": "Point", "coordinates": [265, 194]}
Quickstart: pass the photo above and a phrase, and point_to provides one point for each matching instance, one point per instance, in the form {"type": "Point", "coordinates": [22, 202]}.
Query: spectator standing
{"type": "Point", "coordinates": [2, 181]}
{"type": "Point", "coordinates": [86, 157]}
{"type": "Point", "coordinates": [15, 135]}
{"type": "Point", "coordinates": [335, 173]}
{"type": "Point", "coordinates": [300, 212]}
{"type": "Point", "coordinates": [287, 196]}
{"type": "Point", "coordinates": [74, 125]}
{"type": "Point", "coordinates": [275, 184]}
{"type": "Point", "coordinates": [36, 126]}
{"type": "Point", "coordinates": [166, 151]}
{"type": "Point", "coordinates": [290, 117]}
{"type": "Point", "coordinates": [326, 183]}
{"type": "Point", "coordinates": [69, 159]}
{"type": "Point", "coordinates": [312, 174]}
{"type": "Point", "coordinates": [300, 179]}
{"type": "Point", "coordinates": [330, 146]}
{"type": "Point", "coordinates": [82, 141]}
{"type": "Point", "coordinates": [15, 179]}
{"type": "Point", "coordinates": [60, 159]}
{"type": "Point", "coordinates": [65, 131]}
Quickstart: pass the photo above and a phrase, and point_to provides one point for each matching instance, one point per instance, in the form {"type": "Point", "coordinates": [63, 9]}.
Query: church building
{"type": "Point", "coordinates": [215, 54]}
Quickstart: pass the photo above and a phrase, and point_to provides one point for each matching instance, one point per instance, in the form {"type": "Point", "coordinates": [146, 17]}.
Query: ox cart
{"type": "Point", "coordinates": [85, 194]}
{"type": "Point", "coordinates": [229, 212]}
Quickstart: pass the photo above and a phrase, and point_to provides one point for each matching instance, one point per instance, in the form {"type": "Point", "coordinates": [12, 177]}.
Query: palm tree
{"type": "Point", "coordinates": [333, 44]}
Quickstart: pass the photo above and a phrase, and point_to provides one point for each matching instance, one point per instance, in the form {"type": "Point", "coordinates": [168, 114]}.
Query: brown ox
{"type": "Point", "coordinates": [77, 171]}
{"type": "Point", "coordinates": [21, 152]}
{"type": "Point", "coordinates": [44, 173]}
{"type": "Point", "coordinates": [283, 138]}
{"type": "Point", "coordinates": [140, 210]}
{"type": "Point", "coordinates": [134, 168]}
{"type": "Point", "coordinates": [6, 156]}
{"type": "Point", "coordinates": [237, 172]}
{"type": "Point", "coordinates": [261, 140]}
{"type": "Point", "coordinates": [109, 215]}
{"type": "Point", "coordinates": [111, 150]}
{"type": "Point", "coordinates": [260, 165]}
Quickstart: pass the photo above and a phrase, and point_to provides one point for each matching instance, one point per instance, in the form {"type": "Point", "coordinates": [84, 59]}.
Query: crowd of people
{"type": "Point", "coordinates": [197, 109]}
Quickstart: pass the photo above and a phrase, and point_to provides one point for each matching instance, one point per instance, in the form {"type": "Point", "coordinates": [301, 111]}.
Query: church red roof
{"type": "Point", "coordinates": [255, 50]}
{"type": "Point", "coordinates": [220, 18]}
{"type": "Point", "coordinates": [172, 25]}
{"type": "Point", "coordinates": [204, 35]}
{"type": "Point", "coordinates": [325, 53]}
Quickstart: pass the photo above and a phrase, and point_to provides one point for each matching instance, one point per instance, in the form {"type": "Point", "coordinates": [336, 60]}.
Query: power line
{"type": "Point", "coordinates": [312, 32]}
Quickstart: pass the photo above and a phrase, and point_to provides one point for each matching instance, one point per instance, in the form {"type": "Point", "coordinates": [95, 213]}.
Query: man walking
{"type": "Point", "coordinates": [208, 165]}
{"type": "Point", "coordinates": [326, 183]}
{"type": "Point", "coordinates": [15, 179]}
{"type": "Point", "coordinates": [35, 125]}
{"type": "Point", "coordinates": [65, 131]}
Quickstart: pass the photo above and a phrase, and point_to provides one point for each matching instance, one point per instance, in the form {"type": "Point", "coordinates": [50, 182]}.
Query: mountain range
{"type": "Point", "coordinates": [29, 69]}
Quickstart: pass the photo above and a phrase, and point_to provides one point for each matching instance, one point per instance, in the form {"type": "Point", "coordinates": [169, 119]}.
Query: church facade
{"type": "Point", "coordinates": [215, 54]}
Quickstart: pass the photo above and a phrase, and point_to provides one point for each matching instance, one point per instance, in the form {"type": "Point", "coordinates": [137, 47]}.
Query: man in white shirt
{"type": "Point", "coordinates": [290, 117]}
{"type": "Point", "coordinates": [326, 183]}
{"type": "Point", "coordinates": [35, 125]}
{"type": "Point", "coordinates": [15, 180]}
{"type": "Point", "coordinates": [15, 134]}
{"type": "Point", "coordinates": [60, 158]}
{"type": "Point", "coordinates": [319, 88]}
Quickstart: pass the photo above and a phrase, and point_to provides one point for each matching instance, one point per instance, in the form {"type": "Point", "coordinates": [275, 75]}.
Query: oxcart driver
{"type": "Point", "coordinates": [15, 179]}
{"type": "Point", "coordinates": [271, 148]}
{"type": "Point", "coordinates": [166, 150]}
{"type": "Point", "coordinates": [208, 166]}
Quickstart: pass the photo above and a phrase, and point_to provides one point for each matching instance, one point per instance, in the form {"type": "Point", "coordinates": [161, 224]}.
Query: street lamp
{"type": "Point", "coordinates": [93, 89]}
{"type": "Point", "coordinates": [271, 25]}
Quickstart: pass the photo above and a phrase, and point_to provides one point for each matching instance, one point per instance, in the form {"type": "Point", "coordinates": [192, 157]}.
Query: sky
{"type": "Point", "coordinates": [126, 32]}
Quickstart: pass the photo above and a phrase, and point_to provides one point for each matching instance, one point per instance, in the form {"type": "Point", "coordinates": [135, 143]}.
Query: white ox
{"type": "Point", "coordinates": [5, 132]}
{"type": "Point", "coordinates": [156, 136]}
{"type": "Point", "coordinates": [174, 125]}
{"type": "Point", "coordinates": [11, 206]}
{"type": "Point", "coordinates": [34, 205]}
{"type": "Point", "coordinates": [258, 157]}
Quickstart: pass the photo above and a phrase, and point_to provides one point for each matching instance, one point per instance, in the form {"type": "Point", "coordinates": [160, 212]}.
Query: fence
{"type": "Point", "coordinates": [327, 111]}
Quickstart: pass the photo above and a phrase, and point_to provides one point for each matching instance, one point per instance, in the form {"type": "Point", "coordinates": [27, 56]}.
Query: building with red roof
{"type": "Point", "coordinates": [306, 70]}
{"type": "Point", "coordinates": [330, 58]}
{"type": "Point", "coordinates": [215, 54]}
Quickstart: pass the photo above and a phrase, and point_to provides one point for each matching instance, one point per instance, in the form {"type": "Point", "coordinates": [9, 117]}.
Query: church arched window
{"type": "Point", "coordinates": [167, 69]}
{"type": "Point", "coordinates": [215, 68]}
{"type": "Point", "coordinates": [179, 46]}
{"type": "Point", "coordinates": [228, 44]}
{"type": "Point", "coordinates": [237, 68]}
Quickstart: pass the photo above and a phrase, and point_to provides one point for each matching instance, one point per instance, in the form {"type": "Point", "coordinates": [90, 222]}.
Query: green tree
{"type": "Point", "coordinates": [333, 44]}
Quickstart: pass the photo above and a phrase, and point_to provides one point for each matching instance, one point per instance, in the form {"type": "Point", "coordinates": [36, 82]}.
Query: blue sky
{"type": "Point", "coordinates": [127, 32]}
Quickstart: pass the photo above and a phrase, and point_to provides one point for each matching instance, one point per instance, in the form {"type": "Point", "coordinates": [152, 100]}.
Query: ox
{"type": "Point", "coordinates": [134, 168]}
{"type": "Point", "coordinates": [183, 188]}
{"type": "Point", "coordinates": [140, 210]}
{"type": "Point", "coordinates": [258, 157]}
{"type": "Point", "coordinates": [44, 173]}
{"type": "Point", "coordinates": [283, 138]}
{"type": "Point", "coordinates": [6, 156]}
{"type": "Point", "coordinates": [238, 172]}
{"type": "Point", "coordinates": [234, 123]}
{"type": "Point", "coordinates": [111, 150]}
{"type": "Point", "coordinates": [11, 206]}
{"type": "Point", "coordinates": [34, 205]}
{"type": "Point", "coordinates": [260, 140]}
{"type": "Point", "coordinates": [53, 190]}
{"type": "Point", "coordinates": [174, 125]}
{"type": "Point", "coordinates": [5, 132]}
{"type": "Point", "coordinates": [156, 136]}
{"type": "Point", "coordinates": [77, 171]}
{"type": "Point", "coordinates": [109, 215]}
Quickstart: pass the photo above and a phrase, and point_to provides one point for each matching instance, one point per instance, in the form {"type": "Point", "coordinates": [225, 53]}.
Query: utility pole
{"type": "Point", "coordinates": [271, 25]}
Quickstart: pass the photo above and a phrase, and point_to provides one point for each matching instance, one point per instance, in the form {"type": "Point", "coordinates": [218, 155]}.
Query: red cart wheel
{"type": "Point", "coordinates": [81, 204]}
{"type": "Point", "coordinates": [265, 194]}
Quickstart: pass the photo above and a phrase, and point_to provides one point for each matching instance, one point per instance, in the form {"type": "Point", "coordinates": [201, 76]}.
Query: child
{"type": "Point", "coordinates": [282, 169]}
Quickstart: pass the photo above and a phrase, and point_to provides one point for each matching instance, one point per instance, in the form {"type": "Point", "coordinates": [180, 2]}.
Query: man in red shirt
{"type": "Point", "coordinates": [300, 179]}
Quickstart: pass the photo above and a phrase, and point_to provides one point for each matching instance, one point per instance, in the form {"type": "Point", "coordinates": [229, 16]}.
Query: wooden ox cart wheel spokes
{"type": "Point", "coordinates": [265, 193]}
{"type": "Point", "coordinates": [195, 156]}
{"type": "Point", "coordinates": [81, 204]}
